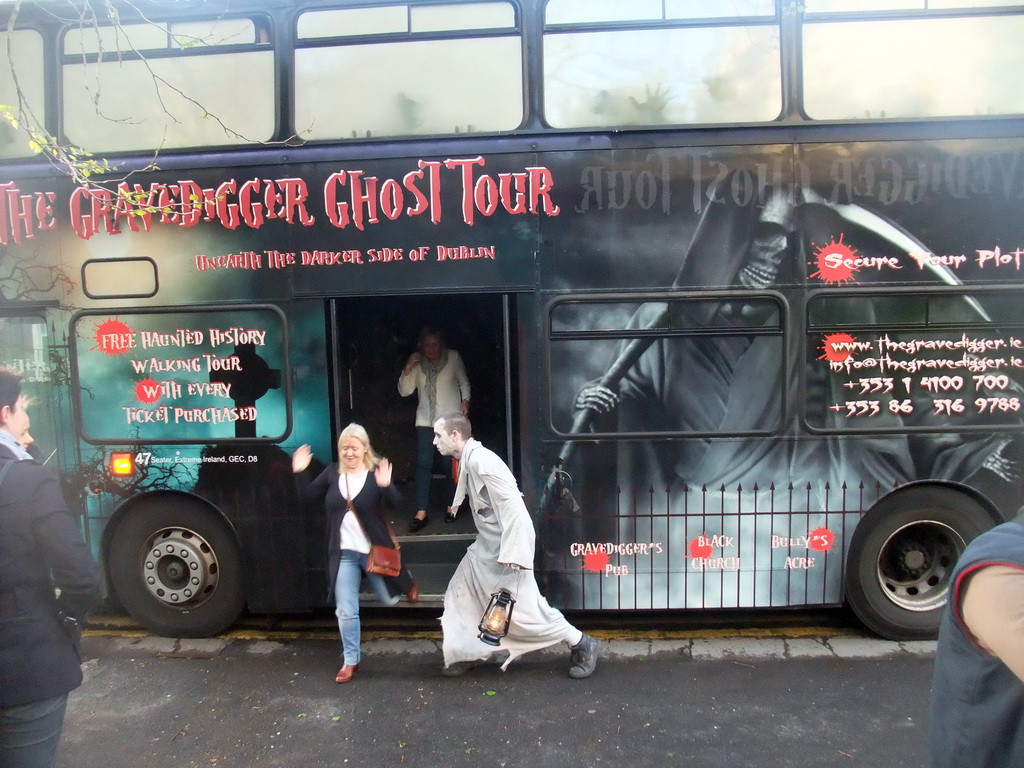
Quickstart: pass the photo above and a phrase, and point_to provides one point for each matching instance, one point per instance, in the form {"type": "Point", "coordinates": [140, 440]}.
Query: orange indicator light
{"type": "Point", "coordinates": [122, 464]}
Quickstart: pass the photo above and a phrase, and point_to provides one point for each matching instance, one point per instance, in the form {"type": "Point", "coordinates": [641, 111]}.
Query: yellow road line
{"type": "Point", "coordinates": [435, 635]}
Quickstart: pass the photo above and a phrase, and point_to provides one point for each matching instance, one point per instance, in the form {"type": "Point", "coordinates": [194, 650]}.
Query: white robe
{"type": "Point", "coordinates": [505, 536]}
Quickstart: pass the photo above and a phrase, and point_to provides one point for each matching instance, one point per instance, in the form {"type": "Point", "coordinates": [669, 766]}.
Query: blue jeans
{"type": "Point", "coordinates": [346, 598]}
{"type": "Point", "coordinates": [426, 453]}
{"type": "Point", "coordinates": [30, 733]}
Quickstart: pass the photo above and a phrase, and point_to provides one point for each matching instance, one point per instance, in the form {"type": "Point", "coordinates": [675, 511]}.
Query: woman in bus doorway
{"type": "Point", "coordinates": [353, 492]}
{"type": "Point", "coordinates": [439, 376]}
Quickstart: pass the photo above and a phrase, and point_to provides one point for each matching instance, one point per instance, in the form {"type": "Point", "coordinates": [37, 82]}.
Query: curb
{"type": "Point", "coordinates": [701, 648]}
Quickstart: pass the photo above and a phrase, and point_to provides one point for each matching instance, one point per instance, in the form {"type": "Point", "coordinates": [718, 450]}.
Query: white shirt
{"type": "Point", "coordinates": [352, 535]}
{"type": "Point", "coordinates": [452, 388]}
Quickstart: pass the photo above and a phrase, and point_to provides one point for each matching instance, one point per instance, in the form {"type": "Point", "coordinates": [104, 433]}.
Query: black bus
{"type": "Point", "coordinates": [738, 285]}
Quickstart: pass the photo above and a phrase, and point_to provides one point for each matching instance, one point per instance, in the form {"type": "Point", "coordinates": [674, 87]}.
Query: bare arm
{"type": "Point", "coordinates": [993, 610]}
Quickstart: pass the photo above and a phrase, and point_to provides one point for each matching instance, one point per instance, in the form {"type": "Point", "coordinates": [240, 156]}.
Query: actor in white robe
{"type": "Point", "coordinates": [501, 556]}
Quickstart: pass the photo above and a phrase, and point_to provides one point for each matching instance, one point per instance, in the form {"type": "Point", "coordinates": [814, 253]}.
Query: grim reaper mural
{"type": "Point", "coordinates": [725, 427]}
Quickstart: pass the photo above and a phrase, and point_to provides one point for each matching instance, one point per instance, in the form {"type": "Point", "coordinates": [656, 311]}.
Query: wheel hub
{"type": "Point", "coordinates": [179, 568]}
{"type": "Point", "coordinates": [916, 563]}
{"type": "Point", "coordinates": [914, 559]}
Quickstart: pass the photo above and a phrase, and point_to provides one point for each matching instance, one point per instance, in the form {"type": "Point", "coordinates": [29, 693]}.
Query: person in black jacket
{"type": "Point", "coordinates": [41, 551]}
{"type": "Point", "coordinates": [353, 492]}
{"type": "Point", "coordinates": [977, 699]}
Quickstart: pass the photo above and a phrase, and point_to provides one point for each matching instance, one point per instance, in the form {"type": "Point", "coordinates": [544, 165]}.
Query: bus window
{"type": "Point", "coordinates": [26, 345]}
{"type": "Point", "coordinates": [119, 278]}
{"type": "Point", "coordinates": [25, 45]}
{"type": "Point", "coordinates": [590, 11]}
{"type": "Point", "coordinates": [884, 310]}
{"type": "Point", "coordinates": [902, 68]}
{"type": "Point", "coordinates": [204, 83]}
{"type": "Point", "coordinates": [693, 314]}
{"type": "Point", "coordinates": [998, 307]}
{"type": "Point", "coordinates": [570, 316]}
{"type": "Point", "coordinates": [725, 72]}
{"type": "Point", "coordinates": [945, 364]}
{"type": "Point", "coordinates": [453, 69]}
{"type": "Point", "coordinates": [860, 6]}
{"type": "Point", "coordinates": [188, 376]}
{"type": "Point", "coordinates": [695, 367]}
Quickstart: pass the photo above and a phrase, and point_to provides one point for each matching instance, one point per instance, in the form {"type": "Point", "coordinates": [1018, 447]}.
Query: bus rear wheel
{"type": "Point", "coordinates": [901, 559]}
{"type": "Point", "coordinates": [176, 568]}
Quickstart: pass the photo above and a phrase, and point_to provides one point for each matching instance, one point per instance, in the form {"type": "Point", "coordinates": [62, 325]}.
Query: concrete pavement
{"type": "Point", "coordinates": [729, 699]}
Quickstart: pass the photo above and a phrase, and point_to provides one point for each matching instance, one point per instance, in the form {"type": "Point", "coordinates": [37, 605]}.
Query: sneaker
{"type": "Point", "coordinates": [584, 657]}
{"type": "Point", "coordinates": [458, 668]}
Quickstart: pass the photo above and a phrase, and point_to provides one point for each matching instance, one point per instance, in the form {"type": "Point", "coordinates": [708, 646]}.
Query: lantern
{"type": "Point", "coordinates": [495, 621]}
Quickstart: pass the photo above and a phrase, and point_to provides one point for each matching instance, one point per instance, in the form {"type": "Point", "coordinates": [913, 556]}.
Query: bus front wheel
{"type": "Point", "coordinates": [176, 568]}
{"type": "Point", "coordinates": [901, 559]}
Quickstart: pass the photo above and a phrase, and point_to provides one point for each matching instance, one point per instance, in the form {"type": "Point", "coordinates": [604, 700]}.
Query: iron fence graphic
{"type": "Point", "coordinates": [699, 547]}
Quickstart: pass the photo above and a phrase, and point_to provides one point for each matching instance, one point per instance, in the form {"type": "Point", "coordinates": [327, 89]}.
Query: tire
{"type": "Point", "coordinates": [176, 568]}
{"type": "Point", "coordinates": [901, 559]}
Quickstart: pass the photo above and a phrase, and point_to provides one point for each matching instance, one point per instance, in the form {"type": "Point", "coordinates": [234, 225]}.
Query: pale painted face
{"type": "Point", "coordinates": [446, 443]}
{"type": "Point", "coordinates": [353, 454]}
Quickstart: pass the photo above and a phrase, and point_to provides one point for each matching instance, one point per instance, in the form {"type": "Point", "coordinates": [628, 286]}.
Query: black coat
{"type": "Point", "coordinates": [369, 504]}
{"type": "Point", "coordinates": [41, 547]}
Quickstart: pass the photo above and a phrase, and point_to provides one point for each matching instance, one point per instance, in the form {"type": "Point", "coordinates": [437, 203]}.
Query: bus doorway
{"type": "Point", "coordinates": [372, 337]}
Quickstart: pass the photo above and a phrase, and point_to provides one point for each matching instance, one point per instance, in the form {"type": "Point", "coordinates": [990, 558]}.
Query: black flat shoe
{"type": "Point", "coordinates": [418, 524]}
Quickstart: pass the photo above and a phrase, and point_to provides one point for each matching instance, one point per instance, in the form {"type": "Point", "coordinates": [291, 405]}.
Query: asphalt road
{"type": "Point", "coordinates": [720, 699]}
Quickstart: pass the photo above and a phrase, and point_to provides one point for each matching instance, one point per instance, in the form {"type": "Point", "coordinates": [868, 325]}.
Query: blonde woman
{"type": "Point", "coordinates": [353, 492]}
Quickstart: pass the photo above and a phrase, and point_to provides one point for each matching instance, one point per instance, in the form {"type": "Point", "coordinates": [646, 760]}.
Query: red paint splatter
{"type": "Point", "coordinates": [834, 261]}
{"type": "Point", "coordinates": [595, 561]}
{"type": "Point", "coordinates": [821, 539]}
{"type": "Point", "coordinates": [147, 391]}
{"type": "Point", "coordinates": [700, 547]}
{"type": "Point", "coordinates": [114, 338]}
{"type": "Point", "coordinates": [832, 347]}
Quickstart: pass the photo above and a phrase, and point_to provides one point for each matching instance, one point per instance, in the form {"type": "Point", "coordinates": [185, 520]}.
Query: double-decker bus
{"type": "Point", "coordinates": [737, 283]}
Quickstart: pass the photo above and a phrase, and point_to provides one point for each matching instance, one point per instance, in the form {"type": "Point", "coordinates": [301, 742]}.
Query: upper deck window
{"type": "Point", "coordinates": [26, 48]}
{"type": "Point", "coordinates": [149, 38]}
{"type": "Point", "coordinates": [435, 69]}
{"type": "Point", "coordinates": [590, 11]}
{"type": "Point", "coordinates": [862, 6]}
{"type": "Point", "coordinates": [921, 65]}
{"type": "Point", "coordinates": [146, 86]}
{"type": "Point", "coordinates": [650, 63]}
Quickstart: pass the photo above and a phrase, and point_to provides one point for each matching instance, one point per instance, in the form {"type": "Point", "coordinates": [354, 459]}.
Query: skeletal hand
{"type": "Point", "coordinates": [597, 398]}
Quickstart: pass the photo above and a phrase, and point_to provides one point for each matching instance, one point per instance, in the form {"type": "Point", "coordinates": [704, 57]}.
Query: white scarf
{"type": "Point", "coordinates": [431, 370]}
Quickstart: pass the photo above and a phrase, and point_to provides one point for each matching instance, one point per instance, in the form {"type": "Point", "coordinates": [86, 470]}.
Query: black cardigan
{"type": "Point", "coordinates": [368, 503]}
{"type": "Point", "coordinates": [41, 547]}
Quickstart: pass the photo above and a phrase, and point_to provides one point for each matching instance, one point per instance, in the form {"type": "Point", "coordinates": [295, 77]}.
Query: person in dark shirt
{"type": "Point", "coordinates": [41, 552]}
{"type": "Point", "coordinates": [977, 702]}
